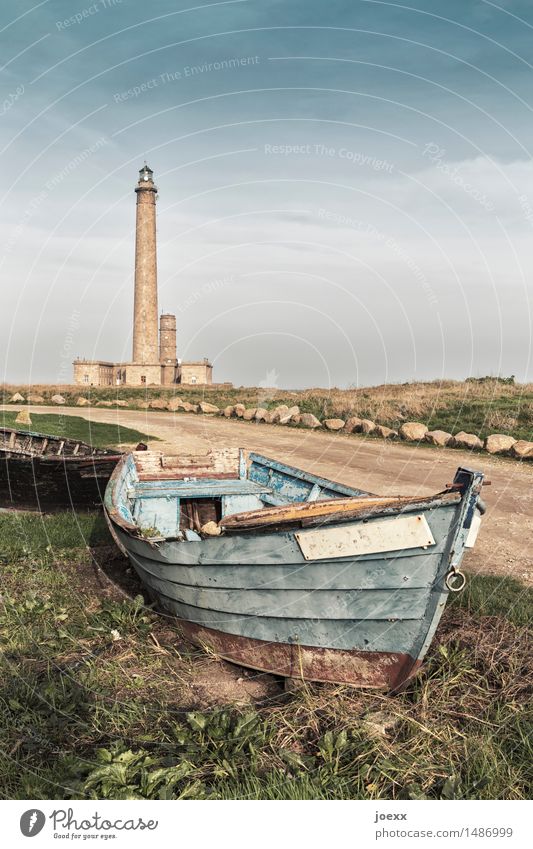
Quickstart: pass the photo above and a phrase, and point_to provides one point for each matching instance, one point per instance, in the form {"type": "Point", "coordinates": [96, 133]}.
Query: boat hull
{"type": "Point", "coordinates": [35, 483]}
{"type": "Point", "coordinates": [254, 600]}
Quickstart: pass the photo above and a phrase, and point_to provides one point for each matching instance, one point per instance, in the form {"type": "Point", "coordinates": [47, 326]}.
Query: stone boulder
{"type": "Point", "coordinates": [438, 437]}
{"type": "Point", "coordinates": [174, 405]}
{"type": "Point", "coordinates": [261, 414]}
{"type": "Point", "coordinates": [104, 403]}
{"type": "Point", "coordinates": [83, 402]}
{"type": "Point", "coordinates": [121, 404]}
{"type": "Point", "coordinates": [239, 410]}
{"type": "Point", "coordinates": [309, 420]}
{"type": "Point", "coordinates": [467, 440]}
{"type": "Point", "coordinates": [228, 411]}
{"type": "Point", "coordinates": [353, 425]}
{"type": "Point", "coordinates": [278, 412]}
{"type": "Point", "coordinates": [413, 431]}
{"type": "Point", "coordinates": [190, 408]}
{"type": "Point", "coordinates": [249, 414]}
{"type": "Point", "coordinates": [385, 432]}
{"type": "Point", "coordinates": [144, 405]}
{"type": "Point", "coordinates": [58, 399]}
{"type": "Point", "coordinates": [499, 443]}
{"type": "Point", "coordinates": [208, 409]}
{"type": "Point", "coordinates": [334, 424]}
{"type": "Point", "coordinates": [35, 399]}
{"type": "Point", "coordinates": [367, 426]}
{"type": "Point", "coordinates": [23, 418]}
{"type": "Point", "coordinates": [16, 398]}
{"type": "Point", "coordinates": [290, 416]}
{"type": "Point", "coordinates": [158, 404]}
{"type": "Point", "coordinates": [522, 450]}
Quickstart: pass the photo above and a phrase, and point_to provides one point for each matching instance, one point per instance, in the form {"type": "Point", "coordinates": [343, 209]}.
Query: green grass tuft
{"type": "Point", "coordinates": [489, 595]}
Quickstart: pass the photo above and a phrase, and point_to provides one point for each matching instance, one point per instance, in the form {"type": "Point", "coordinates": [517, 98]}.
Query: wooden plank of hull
{"type": "Point", "coordinates": [377, 604]}
{"type": "Point", "coordinates": [367, 574]}
{"type": "Point", "coordinates": [364, 634]}
{"type": "Point", "coordinates": [378, 670]}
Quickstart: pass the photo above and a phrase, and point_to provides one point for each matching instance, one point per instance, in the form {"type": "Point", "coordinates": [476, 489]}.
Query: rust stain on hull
{"type": "Point", "coordinates": [378, 670]}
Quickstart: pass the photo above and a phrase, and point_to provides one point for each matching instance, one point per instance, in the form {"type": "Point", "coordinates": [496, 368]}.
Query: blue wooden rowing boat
{"type": "Point", "coordinates": [283, 571]}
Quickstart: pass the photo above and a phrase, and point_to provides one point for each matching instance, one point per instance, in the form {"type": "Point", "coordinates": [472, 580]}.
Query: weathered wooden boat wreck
{"type": "Point", "coordinates": [282, 571]}
{"type": "Point", "coordinates": [42, 472]}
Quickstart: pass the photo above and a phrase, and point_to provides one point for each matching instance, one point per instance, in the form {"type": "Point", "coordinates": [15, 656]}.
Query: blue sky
{"type": "Point", "coordinates": [346, 188]}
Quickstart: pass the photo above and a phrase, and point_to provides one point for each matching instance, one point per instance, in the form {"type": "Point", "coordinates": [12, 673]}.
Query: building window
{"type": "Point", "coordinates": [193, 378]}
{"type": "Point", "coordinates": [143, 378]}
{"type": "Point", "coordinates": [86, 378]}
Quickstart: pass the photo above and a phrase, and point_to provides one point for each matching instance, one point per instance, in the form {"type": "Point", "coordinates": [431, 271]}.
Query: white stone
{"type": "Point", "coordinates": [499, 443]}
{"type": "Point", "coordinates": [522, 450]}
{"type": "Point", "coordinates": [438, 437]}
{"type": "Point", "coordinates": [23, 418]}
{"type": "Point", "coordinates": [413, 431]}
{"type": "Point", "coordinates": [208, 409]}
{"type": "Point", "coordinates": [334, 424]}
{"type": "Point", "coordinates": [385, 432]}
{"type": "Point", "coordinates": [309, 420]}
{"type": "Point", "coordinates": [353, 424]}
{"type": "Point", "coordinates": [467, 440]}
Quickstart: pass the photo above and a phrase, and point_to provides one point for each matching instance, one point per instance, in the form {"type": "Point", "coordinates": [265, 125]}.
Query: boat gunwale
{"type": "Point", "coordinates": [100, 453]}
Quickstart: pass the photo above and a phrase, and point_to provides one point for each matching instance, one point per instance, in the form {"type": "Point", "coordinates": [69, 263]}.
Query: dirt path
{"type": "Point", "coordinates": [505, 543]}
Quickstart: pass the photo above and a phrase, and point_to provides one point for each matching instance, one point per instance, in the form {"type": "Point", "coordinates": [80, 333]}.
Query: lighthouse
{"type": "Point", "coordinates": [145, 312]}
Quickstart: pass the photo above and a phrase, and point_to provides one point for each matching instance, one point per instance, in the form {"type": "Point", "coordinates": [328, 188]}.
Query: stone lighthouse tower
{"type": "Point", "coordinates": [145, 312]}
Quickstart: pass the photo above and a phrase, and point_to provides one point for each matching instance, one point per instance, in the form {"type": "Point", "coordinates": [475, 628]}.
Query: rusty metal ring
{"type": "Point", "coordinates": [451, 581]}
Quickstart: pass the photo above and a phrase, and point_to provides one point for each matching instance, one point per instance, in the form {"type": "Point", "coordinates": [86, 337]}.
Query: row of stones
{"type": "Point", "coordinates": [496, 443]}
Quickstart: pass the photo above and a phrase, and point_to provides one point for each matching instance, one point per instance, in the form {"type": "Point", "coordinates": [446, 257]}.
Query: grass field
{"type": "Point", "coordinates": [96, 696]}
{"type": "Point", "coordinates": [74, 427]}
{"type": "Point", "coordinates": [478, 406]}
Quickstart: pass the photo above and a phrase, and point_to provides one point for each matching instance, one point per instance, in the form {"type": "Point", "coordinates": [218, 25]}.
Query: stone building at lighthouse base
{"type": "Point", "coordinates": [102, 373]}
{"type": "Point", "coordinates": [154, 361]}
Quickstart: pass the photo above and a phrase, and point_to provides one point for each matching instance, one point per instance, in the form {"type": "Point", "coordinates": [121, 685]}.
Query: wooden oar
{"type": "Point", "coordinates": [341, 508]}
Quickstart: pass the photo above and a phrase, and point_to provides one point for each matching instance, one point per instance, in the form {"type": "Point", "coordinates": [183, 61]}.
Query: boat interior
{"type": "Point", "coordinates": [176, 496]}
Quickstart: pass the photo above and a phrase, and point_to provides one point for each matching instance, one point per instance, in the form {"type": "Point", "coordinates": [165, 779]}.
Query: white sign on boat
{"type": "Point", "coordinates": [372, 537]}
